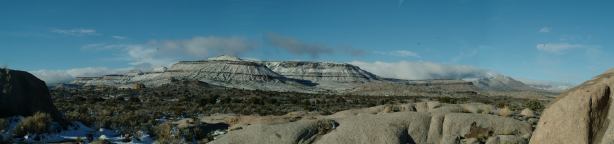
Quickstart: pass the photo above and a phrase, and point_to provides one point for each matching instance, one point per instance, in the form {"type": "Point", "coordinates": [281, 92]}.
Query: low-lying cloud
{"type": "Point", "coordinates": [297, 47]}
{"type": "Point", "coordinates": [64, 76]}
{"type": "Point", "coordinates": [399, 53]}
{"type": "Point", "coordinates": [545, 29]}
{"type": "Point", "coordinates": [420, 70]}
{"type": "Point", "coordinates": [76, 32]}
{"type": "Point", "coordinates": [158, 53]}
{"type": "Point", "coordinates": [204, 46]}
{"type": "Point", "coordinates": [557, 47]}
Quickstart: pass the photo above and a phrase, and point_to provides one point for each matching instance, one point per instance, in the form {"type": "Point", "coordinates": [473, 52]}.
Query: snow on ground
{"type": "Point", "coordinates": [77, 131]}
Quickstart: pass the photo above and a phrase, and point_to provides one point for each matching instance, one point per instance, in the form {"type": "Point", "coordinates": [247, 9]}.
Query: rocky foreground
{"type": "Point", "coordinates": [581, 115]}
{"type": "Point", "coordinates": [422, 123]}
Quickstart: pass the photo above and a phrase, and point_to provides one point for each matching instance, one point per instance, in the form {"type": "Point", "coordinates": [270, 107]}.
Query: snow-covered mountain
{"type": "Point", "coordinates": [299, 76]}
{"type": "Point", "coordinates": [549, 85]}
{"type": "Point", "coordinates": [234, 72]}
{"type": "Point", "coordinates": [498, 82]}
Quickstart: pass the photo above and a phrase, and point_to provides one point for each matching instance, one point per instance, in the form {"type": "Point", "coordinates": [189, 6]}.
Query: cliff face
{"type": "Point", "coordinates": [224, 70]}
{"type": "Point", "coordinates": [321, 71]}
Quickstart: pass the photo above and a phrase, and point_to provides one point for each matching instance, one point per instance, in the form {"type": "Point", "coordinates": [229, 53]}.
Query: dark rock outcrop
{"type": "Point", "coordinates": [21, 93]}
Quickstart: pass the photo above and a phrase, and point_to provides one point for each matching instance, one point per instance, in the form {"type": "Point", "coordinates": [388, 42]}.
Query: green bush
{"type": "Point", "coordinates": [35, 124]}
{"type": "Point", "coordinates": [534, 105]}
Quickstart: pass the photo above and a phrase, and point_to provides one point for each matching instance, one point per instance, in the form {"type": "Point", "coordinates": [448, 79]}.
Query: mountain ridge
{"type": "Point", "coordinates": [297, 76]}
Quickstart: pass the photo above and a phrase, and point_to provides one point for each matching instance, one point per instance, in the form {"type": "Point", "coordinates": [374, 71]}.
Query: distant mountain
{"type": "Point", "coordinates": [299, 76]}
{"type": "Point", "coordinates": [498, 82]}
{"type": "Point", "coordinates": [549, 85]}
{"type": "Point", "coordinates": [234, 72]}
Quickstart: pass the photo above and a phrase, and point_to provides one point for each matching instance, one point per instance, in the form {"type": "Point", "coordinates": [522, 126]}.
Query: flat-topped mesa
{"type": "Point", "coordinates": [225, 58]}
{"type": "Point", "coordinates": [321, 71]}
{"type": "Point", "coordinates": [106, 80]}
{"type": "Point", "coordinates": [224, 70]}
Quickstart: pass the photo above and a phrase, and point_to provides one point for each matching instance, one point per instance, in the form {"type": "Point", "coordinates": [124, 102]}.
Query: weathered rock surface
{"type": "Point", "coordinates": [582, 115]}
{"type": "Point", "coordinates": [421, 123]}
{"type": "Point", "coordinates": [458, 126]}
{"type": "Point", "coordinates": [21, 93]}
{"type": "Point", "coordinates": [300, 132]}
{"type": "Point", "coordinates": [399, 127]}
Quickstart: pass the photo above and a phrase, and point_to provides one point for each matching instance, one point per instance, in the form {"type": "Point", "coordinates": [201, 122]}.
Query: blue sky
{"type": "Point", "coordinates": [545, 40]}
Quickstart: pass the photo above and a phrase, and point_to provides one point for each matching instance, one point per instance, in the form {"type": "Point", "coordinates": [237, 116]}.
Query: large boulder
{"type": "Point", "coordinates": [459, 126]}
{"type": "Point", "coordinates": [581, 115]}
{"type": "Point", "coordinates": [390, 128]}
{"type": "Point", "coordinates": [421, 123]}
{"type": "Point", "coordinates": [21, 93]}
{"type": "Point", "coordinates": [300, 132]}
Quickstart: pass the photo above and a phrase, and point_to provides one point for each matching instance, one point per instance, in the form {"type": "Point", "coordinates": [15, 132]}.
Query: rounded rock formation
{"type": "Point", "coordinates": [581, 115]}
{"type": "Point", "coordinates": [22, 94]}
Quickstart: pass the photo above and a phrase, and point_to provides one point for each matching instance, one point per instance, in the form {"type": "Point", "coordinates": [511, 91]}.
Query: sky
{"type": "Point", "coordinates": [538, 40]}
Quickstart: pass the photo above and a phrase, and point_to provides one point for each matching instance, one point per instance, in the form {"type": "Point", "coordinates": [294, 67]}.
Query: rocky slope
{"type": "Point", "coordinates": [422, 123]}
{"type": "Point", "coordinates": [448, 88]}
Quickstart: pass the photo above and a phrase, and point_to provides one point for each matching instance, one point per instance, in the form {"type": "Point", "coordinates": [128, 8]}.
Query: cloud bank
{"type": "Point", "coordinates": [297, 47]}
{"type": "Point", "coordinates": [150, 55]}
{"type": "Point", "coordinates": [76, 32]}
{"type": "Point", "coordinates": [64, 76]}
{"type": "Point", "coordinates": [557, 47]}
{"type": "Point", "coordinates": [545, 30]}
{"type": "Point", "coordinates": [420, 70]}
{"type": "Point", "coordinates": [158, 53]}
{"type": "Point", "coordinates": [399, 53]}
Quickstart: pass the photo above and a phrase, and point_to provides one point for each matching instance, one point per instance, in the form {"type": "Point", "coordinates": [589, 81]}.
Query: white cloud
{"type": "Point", "coordinates": [545, 30]}
{"type": "Point", "coordinates": [297, 47]}
{"type": "Point", "coordinates": [420, 70]}
{"type": "Point", "coordinates": [76, 32]}
{"type": "Point", "coordinates": [64, 76]}
{"type": "Point", "coordinates": [399, 53]}
{"type": "Point", "coordinates": [165, 52]}
{"type": "Point", "coordinates": [119, 37]}
{"type": "Point", "coordinates": [557, 47]}
{"type": "Point", "coordinates": [204, 46]}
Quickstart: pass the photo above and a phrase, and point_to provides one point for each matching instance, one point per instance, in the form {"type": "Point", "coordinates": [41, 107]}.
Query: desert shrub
{"type": "Point", "coordinates": [534, 105]}
{"type": "Point", "coordinates": [501, 104]}
{"type": "Point", "coordinates": [3, 124]}
{"type": "Point", "coordinates": [505, 112]}
{"type": "Point", "coordinates": [451, 100]}
{"type": "Point", "coordinates": [166, 133]}
{"type": "Point", "coordinates": [35, 124]}
{"type": "Point", "coordinates": [325, 126]}
{"type": "Point", "coordinates": [101, 141]}
{"type": "Point", "coordinates": [470, 108]}
{"type": "Point", "coordinates": [527, 112]}
{"type": "Point", "coordinates": [478, 132]}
